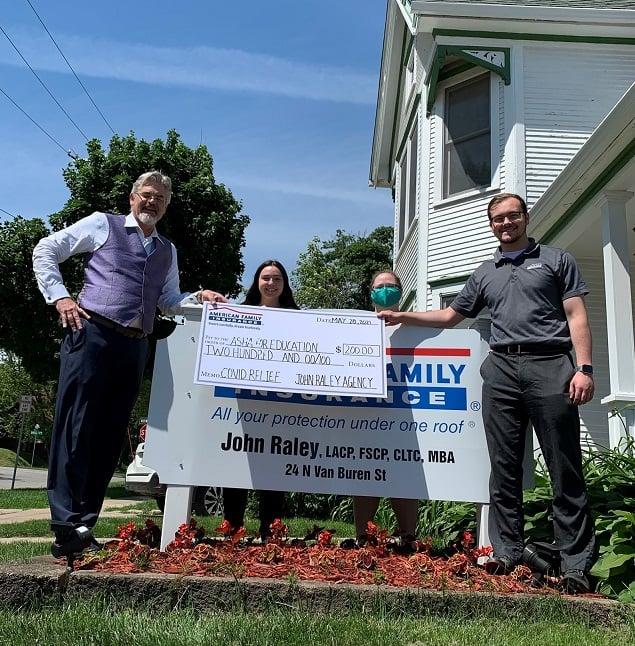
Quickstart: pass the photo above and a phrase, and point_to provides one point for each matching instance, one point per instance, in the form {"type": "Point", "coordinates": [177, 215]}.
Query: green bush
{"type": "Point", "coordinates": [301, 505]}
{"type": "Point", "coordinates": [440, 520]}
{"type": "Point", "coordinates": [610, 479]}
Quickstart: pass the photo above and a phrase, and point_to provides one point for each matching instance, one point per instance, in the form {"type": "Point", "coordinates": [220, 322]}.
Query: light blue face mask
{"type": "Point", "coordinates": [385, 295]}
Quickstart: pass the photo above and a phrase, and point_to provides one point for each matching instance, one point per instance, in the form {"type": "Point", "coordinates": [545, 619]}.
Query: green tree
{"type": "Point", "coordinates": [337, 273]}
{"type": "Point", "coordinates": [14, 382]}
{"type": "Point", "coordinates": [28, 327]}
{"type": "Point", "coordinates": [203, 221]}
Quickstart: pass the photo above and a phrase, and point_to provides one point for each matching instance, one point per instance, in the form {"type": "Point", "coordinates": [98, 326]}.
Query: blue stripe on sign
{"type": "Point", "coordinates": [433, 398]}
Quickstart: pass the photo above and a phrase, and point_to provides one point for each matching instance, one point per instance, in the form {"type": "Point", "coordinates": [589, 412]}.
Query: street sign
{"type": "Point", "coordinates": [26, 403]}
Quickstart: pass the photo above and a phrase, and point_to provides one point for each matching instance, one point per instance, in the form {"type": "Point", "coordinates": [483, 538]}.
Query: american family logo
{"type": "Point", "coordinates": [436, 384]}
{"type": "Point", "coordinates": [228, 315]}
{"type": "Point", "coordinates": [536, 265]}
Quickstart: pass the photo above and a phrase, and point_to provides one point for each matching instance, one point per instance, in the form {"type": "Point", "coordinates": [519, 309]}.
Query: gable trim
{"type": "Point", "coordinates": [494, 59]}
{"type": "Point", "coordinates": [504, 35]}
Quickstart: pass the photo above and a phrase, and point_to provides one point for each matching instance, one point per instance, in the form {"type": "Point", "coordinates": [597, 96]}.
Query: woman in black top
{"type": "Point", "coordinates": [270, 288]}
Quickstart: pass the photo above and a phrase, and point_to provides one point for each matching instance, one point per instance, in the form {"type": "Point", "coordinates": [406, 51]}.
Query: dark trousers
{"type": "Point", "coordinates": [518, 389]}
{"type": "Point", "coordinates": [270, 507]}
{"type": "Point", "coordinates": [100, 376]}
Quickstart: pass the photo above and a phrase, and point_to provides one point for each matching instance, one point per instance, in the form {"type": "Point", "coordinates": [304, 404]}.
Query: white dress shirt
{"type": "Point", "coordinates": [86, 236]}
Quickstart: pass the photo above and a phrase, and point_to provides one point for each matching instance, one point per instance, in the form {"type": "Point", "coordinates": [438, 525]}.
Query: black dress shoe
{"type": "Point", "coordinates": [575, 582]}
{"type": "Point", "coordinates": [95, 546]}
{"type": "Point", "coordinates": [500, 565]}
{"type": "Point", "coordinates": [73, 542]}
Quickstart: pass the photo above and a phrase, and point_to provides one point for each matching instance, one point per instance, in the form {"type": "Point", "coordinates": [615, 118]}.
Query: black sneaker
{"type": "Point", "coordinates": [575, 582]}
{"type": "Point", "coordinates": [74, 542]}
{"type": "Point", "coordinates": [500, 565]}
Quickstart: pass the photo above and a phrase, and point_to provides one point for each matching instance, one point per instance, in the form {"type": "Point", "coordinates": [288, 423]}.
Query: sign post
{"type": "Point", "coordinates": [25, 406]}
{"type": "Point", "coordinates": [36, 433]}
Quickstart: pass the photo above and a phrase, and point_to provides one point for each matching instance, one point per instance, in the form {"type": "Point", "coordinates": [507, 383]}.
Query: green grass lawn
{"type": "Point", "coordinates": [84, 623]}
{"type": "Point", "coordinates": [36, 498]}
{"type": "Point", "coordinates": [107, 527]}
{"type": "Point", "coordinates": [7, 459]}
{"type": "Point", "coordinates": [20, 551]}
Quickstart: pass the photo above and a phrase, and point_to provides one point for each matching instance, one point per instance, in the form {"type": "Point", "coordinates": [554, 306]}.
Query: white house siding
{"type": "Point", "coordinates": [593, 416]}
{"type": "Point", "coordinates": [568, 90]}
{"type": "Point", "coordinates": [501, 133]}
{"type": "Point", "coordinates": [459, 238]}
{"type": "Point", "coordinates": [407, 256]}
{"type": "Point", "coordinates": [406, 265]}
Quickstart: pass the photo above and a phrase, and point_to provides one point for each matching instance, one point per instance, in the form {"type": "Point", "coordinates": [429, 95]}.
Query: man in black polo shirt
{"type": "Point", "coordinates": [535, 297]}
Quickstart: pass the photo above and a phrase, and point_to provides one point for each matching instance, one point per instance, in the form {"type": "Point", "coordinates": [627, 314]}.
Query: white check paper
{"type": "Point", "coordinates": [295, 351]}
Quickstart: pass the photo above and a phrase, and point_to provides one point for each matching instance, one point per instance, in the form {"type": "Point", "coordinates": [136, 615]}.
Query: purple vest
{"type": "Point", "coordinates": [121, 282]}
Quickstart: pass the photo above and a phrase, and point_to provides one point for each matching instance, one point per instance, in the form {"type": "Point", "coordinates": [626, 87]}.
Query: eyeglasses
{"type": "Point", "coordinates": [512, 216]}
{"type": "Point", "coordinates": [147, 197]}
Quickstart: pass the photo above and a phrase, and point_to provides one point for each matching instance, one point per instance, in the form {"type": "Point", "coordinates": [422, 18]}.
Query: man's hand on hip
{"type": "Point", "coordinates": [581, 388]}
{"type": "Point", "coordinates": [71, 314]}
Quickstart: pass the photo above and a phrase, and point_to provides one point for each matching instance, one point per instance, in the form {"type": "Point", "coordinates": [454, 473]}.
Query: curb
{"type": "Point", "coordinates": [43, 581]}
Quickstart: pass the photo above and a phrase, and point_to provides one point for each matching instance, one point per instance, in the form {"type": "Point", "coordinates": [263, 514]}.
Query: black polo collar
{"type": "Point", "coordinates": [532, 250]}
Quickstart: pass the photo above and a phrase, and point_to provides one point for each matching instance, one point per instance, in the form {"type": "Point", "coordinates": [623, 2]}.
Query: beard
{"type": "Point", "coordinates": [148, 218]}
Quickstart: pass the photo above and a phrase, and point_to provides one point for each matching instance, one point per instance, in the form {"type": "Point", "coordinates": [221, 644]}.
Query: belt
{"type": "Point", "coordinates": [530, 348]}
{"type": "Point", "coordinates": [131, 332]}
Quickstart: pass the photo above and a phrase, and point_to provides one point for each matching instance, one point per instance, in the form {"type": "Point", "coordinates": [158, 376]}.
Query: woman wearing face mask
{"type": "Point", "coordinates": [385, 294]}
{"type": "Point", "coordinates": [270, 288]}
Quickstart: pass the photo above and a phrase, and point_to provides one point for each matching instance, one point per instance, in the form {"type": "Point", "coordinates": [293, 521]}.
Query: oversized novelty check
{"type": "Point", "coordinates": [295, 351]}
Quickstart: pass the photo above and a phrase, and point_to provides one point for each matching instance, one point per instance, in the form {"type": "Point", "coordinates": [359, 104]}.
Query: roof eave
{"type": "Point", "coordinates": [525, 19]}
{"type": "Point", "coordinates": [386, 96]}
{"type": "Point", "coordinates": [588, 170]}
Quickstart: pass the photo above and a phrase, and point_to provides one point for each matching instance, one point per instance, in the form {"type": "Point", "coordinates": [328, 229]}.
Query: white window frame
{"type": "Point", "coordinates": [438, 114]}
{"type": "Point", "coordinates": [405, 198]}
{"type": "Point", "coordinates": [437, 294]}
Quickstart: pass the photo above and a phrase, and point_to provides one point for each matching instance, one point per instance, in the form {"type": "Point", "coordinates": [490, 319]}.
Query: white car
{"type": "Point", "coordinates": [207, 501]}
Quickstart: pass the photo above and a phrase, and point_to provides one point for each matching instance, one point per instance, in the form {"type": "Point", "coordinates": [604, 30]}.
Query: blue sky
{"type": "Point", "coordinates": [282, 93]}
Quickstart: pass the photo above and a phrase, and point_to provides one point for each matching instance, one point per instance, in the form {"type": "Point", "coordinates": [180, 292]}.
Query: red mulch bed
{"type": "Point", "coordinates": [383, 560]}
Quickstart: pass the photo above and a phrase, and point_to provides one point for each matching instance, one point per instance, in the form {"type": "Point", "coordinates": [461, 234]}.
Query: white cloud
{"type": "Point", "coordinates": [200, 66]}
{"type": "Point", "coordinates": [364, 195]}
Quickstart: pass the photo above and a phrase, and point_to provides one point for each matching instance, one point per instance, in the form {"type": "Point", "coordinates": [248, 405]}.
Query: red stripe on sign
{"type": "Point", "coordinates": [429, 352]}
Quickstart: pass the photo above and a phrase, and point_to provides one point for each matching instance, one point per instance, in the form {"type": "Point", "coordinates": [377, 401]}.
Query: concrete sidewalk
{"type": "Point", "coordinates": [8, 516]}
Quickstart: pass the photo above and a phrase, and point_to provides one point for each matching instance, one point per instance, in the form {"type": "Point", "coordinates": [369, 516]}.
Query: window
{"type": "Point", "coordinates": [446, 299]}
{"type": "Point", "coordinates": [412, 172]}
{"type": "Point", "coordinates": [402, 197]}
{"type": "Point", "coordinates": [408, 184]}
{"type": "Point", "coordinates": [467, 162]}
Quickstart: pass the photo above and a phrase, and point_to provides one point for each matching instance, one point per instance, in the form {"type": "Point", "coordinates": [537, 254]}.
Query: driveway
{"type": "Point", "coordinates": [30, 478]}
{"type": "Point", "coordinates": [24, 479]}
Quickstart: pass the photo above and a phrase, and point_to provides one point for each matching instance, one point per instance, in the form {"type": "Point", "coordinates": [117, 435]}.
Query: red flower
{"type": "Point", "coordinates": [225, 528]}
{"type": "Point", "coordinates": [279, 530]}
{"type": "Point", "coordinates": [366, 559]}
{"type": "Point", "coordinates": [239, 534]}
{"type": "Point", "coordinates": [371, 529]}
{"type": "Point", "coordinates": [324, 538]}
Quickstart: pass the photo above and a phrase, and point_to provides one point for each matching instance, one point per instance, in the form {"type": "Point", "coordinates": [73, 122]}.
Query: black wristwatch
{"type": "Point", "coordinates": [585, 369]}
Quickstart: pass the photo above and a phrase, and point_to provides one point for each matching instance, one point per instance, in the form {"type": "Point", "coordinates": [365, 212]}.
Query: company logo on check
{"type": "Point", "coordinates": [228, 315]}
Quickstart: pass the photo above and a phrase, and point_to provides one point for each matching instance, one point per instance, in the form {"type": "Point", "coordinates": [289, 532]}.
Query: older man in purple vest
{"type": "Point", "coordinates": [130, 271]}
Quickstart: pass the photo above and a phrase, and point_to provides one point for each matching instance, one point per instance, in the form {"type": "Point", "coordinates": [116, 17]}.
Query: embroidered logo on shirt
{"type": "Point", "coordinates": [536, 265]}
